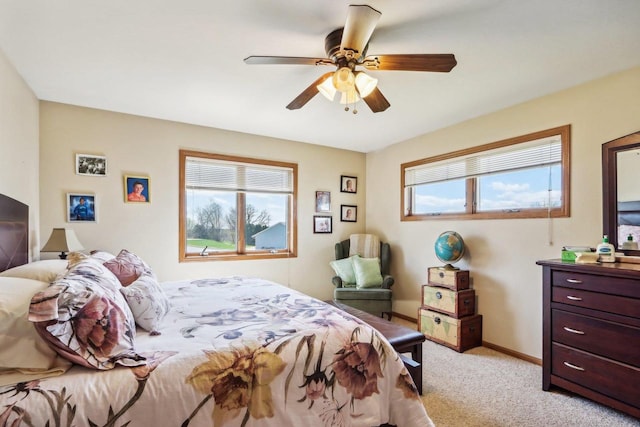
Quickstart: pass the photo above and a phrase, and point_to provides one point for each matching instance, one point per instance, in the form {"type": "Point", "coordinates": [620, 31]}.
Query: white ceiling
{"type": "Point", "coordinates": [183, 60]}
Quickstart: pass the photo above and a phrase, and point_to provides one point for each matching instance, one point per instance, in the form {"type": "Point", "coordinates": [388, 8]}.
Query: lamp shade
{"type": "Point", "coordinates": [343, 79]}
{"type": "Point", "coordinates": [365, 83]}
{"type": "Point", "coordinates": [349, 97]}
{"type": "Point", "coordinates": [62, 240]}
{"type": "Point", "coordinates": [327, 89]}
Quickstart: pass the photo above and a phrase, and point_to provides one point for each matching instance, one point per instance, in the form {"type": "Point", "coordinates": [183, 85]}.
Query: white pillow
{"type": "Point", "coordinates": [21, 347]}
{"type": "Point", "coordinates": [147, 302]}
{"type": "Point", "coordinates": [47, 270]}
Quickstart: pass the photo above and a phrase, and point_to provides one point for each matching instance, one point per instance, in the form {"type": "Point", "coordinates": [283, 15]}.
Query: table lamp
{"type": "Point", "coordinates": [62, 240]}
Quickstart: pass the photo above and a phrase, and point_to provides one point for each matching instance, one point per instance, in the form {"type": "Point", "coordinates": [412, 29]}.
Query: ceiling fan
{"type": "Point", "coordinates": [346, 49]}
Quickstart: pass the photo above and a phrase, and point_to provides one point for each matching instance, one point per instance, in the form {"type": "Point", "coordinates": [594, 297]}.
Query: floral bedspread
{"type": "Point", "coordinates": [234, 352]}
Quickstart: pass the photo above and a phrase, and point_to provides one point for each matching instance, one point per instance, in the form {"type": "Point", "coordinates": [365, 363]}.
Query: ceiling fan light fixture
{"type": "Point", "coordinates": [365, 84]}
{"type": "Point", "coordinates": [327, 89]}
{"type": "Point", "coordinates": [344, 79]}
{"type": "Point", "coordinates": [349, 97]}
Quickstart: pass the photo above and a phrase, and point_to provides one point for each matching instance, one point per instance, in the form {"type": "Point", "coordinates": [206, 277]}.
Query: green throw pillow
{"type": "Point", "coordinates": [367, 272]}
{"type": "Point", "coordinates": [344, 269]}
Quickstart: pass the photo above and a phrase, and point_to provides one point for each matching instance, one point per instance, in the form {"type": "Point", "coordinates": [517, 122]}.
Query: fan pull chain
{"type": "Point", "coordinates": [355, 111]}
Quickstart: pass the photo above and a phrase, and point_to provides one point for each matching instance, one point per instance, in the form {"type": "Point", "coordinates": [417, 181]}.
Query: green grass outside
{"type": "Point", "coordinates": [213, 244]}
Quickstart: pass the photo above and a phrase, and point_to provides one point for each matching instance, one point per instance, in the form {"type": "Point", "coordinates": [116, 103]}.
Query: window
{"type": "Point", "coordinates": [522, 177]}
{"type": "Point", "coordinates": [236, 207]}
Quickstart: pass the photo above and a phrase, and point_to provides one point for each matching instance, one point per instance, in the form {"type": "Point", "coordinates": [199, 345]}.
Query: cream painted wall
{"type": "Point", "coordinates": [137, 145]}
{"type": "Point", "coordinates": [502, 253]}
{"type": "Point", "coordinates": [19, 145]}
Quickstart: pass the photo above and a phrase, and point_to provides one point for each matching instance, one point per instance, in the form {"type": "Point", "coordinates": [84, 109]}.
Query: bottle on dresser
{"type": "Point", "coordinates": [605, 250]}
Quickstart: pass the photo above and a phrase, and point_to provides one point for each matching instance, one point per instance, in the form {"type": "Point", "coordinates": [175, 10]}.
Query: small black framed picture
{"type": "Point", "coordinates": [322, 224]}
{"type": "Point", "coordinates": [348, 184]}
{"type": "Point", "coordinates": [323, 201]}
{"type": "Point", "coordinates": [348, 213]}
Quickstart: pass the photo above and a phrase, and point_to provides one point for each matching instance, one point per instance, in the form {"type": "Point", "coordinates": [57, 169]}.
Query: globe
{"type": "Point", "coordinates": [449, 248]}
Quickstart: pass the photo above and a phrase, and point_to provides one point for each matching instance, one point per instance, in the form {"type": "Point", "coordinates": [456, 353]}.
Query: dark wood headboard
{"type": "Point", "coordinates": [14, 233]}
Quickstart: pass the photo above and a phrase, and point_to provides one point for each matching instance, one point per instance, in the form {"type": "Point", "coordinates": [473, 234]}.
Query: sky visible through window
{"type": "Point", "coordinates": [274, 204]}
{"type": "Point", "coordinates": [509, 190]}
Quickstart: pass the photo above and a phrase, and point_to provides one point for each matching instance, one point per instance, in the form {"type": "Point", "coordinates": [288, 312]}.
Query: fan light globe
{"type": "Point", "coordinates": [365, 84]}
{"type": "Point", "coordinates": [327, 89]}
{"type": "Point", "coordinates": [349, 97]}
{"type": "Point", "coordinates": [343, 79]}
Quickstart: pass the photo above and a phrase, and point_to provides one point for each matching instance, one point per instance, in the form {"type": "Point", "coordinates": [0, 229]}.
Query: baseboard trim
{"type": "Point", "coordinates": [513, 353]}
{"type": "Point", "coordinates": [405, 317]}
{"type": "Point", "coordinates": [492, 346]}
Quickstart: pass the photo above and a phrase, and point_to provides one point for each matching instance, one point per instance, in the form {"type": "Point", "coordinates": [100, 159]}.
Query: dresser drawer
{"type": "Point", "coordinates": [597, 283]}
{"type": "Point", "coordinates": [625, 306]}
{"type": "Point", "coordinates": [610, 378]}
{"type": "Point", "coordinates": [455, 304]}
{"type": "Point", "coordinates": [604, 338]}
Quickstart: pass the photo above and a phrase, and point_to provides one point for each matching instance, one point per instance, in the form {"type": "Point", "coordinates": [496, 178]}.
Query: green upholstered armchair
{"type": "Point", "coordinates": [376, 300]}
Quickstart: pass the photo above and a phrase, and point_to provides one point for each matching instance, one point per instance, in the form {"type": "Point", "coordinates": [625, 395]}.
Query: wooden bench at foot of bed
{"type": "Point", "coordinates": [402, 339]}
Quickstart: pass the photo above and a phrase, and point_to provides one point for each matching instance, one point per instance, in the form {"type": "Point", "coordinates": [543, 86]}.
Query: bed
{"type": "Point", "coordinates": [231, 351]}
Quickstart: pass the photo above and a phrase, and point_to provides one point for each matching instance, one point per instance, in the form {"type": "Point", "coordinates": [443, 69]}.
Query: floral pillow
{"type": "Point", "coordinates": [84, 318]}
{"type": "Point", "coordinates": [127, 267]}
{"type": "Point", "coordinates": [147, 301]}
{"type": "Point", "coordinates": [103, 256]}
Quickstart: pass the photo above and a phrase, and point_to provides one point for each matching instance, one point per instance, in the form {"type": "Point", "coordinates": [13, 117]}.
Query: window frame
{"type": "Point", "coordinates": [471, 183]}
{"type": "Point", "coordinates": [240, 253]}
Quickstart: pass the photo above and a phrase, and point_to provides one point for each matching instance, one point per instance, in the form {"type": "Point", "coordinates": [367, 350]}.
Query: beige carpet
{"type": "Point", "coordinates": [486, 388]}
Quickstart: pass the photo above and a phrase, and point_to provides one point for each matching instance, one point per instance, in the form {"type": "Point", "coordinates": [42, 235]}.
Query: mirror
{"type": "Point", "coordinates": [621, 192]}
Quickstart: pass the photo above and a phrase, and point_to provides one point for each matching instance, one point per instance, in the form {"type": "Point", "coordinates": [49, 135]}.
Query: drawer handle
{"type": "Point", "coordinates": [572, 298]}
{"type": "Point", "coordinates": [466, 302]}
{"type": "Point", "coordinates": [573, 331]}
{"type": "Point", "coordinates": [572, 366]}
{"type": "Point", "coordinates": [439, 295]}
{"type": "Point", "coordinates": [574, 281]}
{"type": "Point", "coordinates": [437, 320]}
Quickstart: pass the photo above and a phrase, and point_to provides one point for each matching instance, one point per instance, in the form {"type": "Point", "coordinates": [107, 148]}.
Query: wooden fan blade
{"type": "Point", "coordinates": [361, 21]}
{"type": "Point", "coordinates": [376, 101]}
{"type": "Point", "coordinates": [308, 93]}
{"type": "Point", "coordinates": [286, 60]}
{"type": "Point", "coordinates": [443, 62]}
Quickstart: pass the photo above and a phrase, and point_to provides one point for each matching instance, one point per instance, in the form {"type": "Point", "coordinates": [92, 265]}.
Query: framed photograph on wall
{"type": "Point", "coordinates": [348, 213]}
{"type": "Point", "coordinates": [323, 201]}
{"type": "Point", "coordinates": [90, 165]}
{"type": "Point", "coordinates": [137, 189]}
{"type": "Point", "coordinates": [81, 207]}
{"type": "Point", "coordinates": [348, 184]}
{"type": "Point", "coordinates": [322, 224]}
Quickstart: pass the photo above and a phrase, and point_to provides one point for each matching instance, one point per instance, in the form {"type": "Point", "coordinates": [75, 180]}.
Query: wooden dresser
{"type": "Point", "coordinates": [591, 331]}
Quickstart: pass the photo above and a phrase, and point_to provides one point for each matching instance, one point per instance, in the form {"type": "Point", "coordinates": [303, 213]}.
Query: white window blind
{"type": "Point", "coordinates": [203, 174]}
{"type": "Point", "coordinates": [540, 152]}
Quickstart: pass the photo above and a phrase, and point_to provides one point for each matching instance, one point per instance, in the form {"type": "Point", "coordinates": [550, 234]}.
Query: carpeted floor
{"type": "Point", "coordinates": [486, 388]}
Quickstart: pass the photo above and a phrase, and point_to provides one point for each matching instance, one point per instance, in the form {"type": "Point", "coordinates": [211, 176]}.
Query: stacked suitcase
{"type": "Point", "coordinates": [448, 313]}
